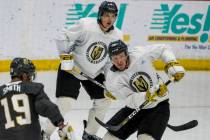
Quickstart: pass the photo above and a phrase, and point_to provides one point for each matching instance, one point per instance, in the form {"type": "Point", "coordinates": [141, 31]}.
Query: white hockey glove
{"type": "Point", "coordinates": [67, 61]}
{"type": "Point", "coordinates": [174, 69]}
{"type": "Point", "coordinates": [66, 132]}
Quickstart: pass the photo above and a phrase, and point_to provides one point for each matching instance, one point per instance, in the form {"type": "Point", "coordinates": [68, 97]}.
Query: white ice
{"type": "Point", "coordinates": [189, 99]}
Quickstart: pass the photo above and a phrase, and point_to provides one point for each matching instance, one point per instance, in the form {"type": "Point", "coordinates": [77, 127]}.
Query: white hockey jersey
{"type": "Point", "coordinates": [89, 45]}
{"type": "Point", "coordinates": [131, 84]}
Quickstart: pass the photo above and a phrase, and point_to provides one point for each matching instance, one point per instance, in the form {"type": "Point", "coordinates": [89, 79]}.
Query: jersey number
{"type": "Point", "coordinates": [24, 108]}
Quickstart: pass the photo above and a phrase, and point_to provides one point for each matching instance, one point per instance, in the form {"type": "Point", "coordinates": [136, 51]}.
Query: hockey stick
{"type": "Point", "coordinates": [77, 71]}
{"type": "Point", "coordinates": [185, 126]}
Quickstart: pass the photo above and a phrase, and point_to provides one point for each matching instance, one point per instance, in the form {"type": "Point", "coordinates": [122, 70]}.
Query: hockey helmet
{"type": "Point", "coordinates": [107, 6]}
{"type": "Point", "coordinates": [20, 65]}
{"type": "Point", "coordinates": [117, 47]}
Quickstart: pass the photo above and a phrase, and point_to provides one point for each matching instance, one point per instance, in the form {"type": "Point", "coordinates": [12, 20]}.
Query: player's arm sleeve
{"type": "Point", "coordinates": [161, 51]}
{"type": "Point", "coordinates": [46, 108]}
{"type": "Point", "coordinates": [67, 39]}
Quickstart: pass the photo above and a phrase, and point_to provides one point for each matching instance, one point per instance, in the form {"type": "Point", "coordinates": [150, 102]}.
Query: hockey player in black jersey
{"type": "Point", "coordinates": [21, 103]}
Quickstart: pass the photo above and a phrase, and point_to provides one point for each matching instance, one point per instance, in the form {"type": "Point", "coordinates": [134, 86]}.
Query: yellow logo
{"type": "Point", "coordinates": [96, 52]}
{"type": "Point", "coordinates": [140, 84]}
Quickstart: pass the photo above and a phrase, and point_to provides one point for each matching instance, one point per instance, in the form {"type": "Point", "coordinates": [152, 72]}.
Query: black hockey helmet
{"type": "Point", "coordinates": [20, 65]}
{"type": "Point", "coordinates": [107, 6]}
{"type": "Point", "coordinates": [117, 47]}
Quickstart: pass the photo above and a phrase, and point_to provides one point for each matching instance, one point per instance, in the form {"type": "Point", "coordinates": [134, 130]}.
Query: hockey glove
{"type": "Point", "coordinates": [160, 92]}
{"type": "Point", "coordinates": [67, 61]}
{"type": "Point", "coordinates": [150, 97]}
{"type": "Point", "coordinates": [109, 95]}
{"type": "Point", "coordinates": [174, 69]}
{"type": "Point", "coordinates": [66, 133]}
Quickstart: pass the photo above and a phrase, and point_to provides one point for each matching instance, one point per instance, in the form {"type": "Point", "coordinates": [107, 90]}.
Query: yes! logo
{"type": "Point", "coordinates": [79, 10]}
{"type": "Point", "coordinates": [171, 20]}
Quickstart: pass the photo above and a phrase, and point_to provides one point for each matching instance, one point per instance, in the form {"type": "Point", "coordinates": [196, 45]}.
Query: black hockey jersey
{"type": "Point", "coordinates": [21, 103]}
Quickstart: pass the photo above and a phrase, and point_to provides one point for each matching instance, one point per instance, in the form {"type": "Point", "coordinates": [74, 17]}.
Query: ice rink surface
{"type": "Point", "coordinates": [189, 99]}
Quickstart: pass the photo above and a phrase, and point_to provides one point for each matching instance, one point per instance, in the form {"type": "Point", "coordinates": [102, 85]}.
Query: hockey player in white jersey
{"type": "Point", "coordinates": [134, 79]}
{"type": "Point", "coordinates": [85, 46]}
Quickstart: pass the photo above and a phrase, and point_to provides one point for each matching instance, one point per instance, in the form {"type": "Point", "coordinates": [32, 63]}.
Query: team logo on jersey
{"type": "Point", "coordinates": [140, 82]}
{"type": "Point", "coordinates": [96, 52]}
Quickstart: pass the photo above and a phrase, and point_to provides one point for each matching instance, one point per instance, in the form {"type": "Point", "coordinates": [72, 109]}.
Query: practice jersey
{"type": "Point", "coordinates": [89, 45]}
{"type": "Point", "coordinates": [132, 83]}
{"type": "Point", "coordinates": [20, 105]}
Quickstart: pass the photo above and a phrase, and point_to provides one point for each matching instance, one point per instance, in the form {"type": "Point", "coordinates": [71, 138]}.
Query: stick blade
{"type": "Point", "coordinates": [185, 126]}
{"type": "Point", "coordinates": [107, 126]}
